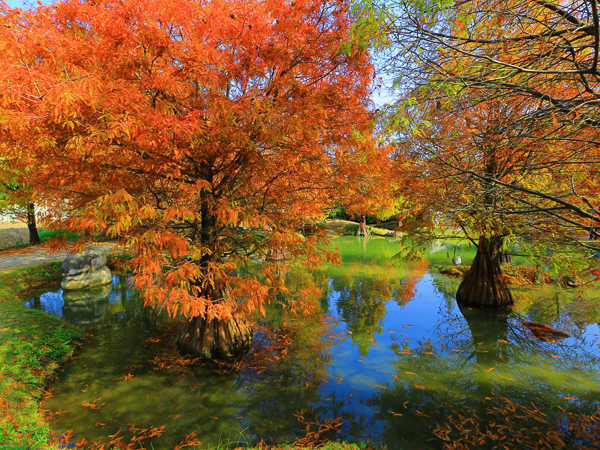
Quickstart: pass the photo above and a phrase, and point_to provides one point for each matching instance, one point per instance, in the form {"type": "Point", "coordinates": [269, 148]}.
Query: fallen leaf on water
{"type": "Point", "coordinates": [125, 378]}
{"type": "Point", "coordinates": [176, 415]}
{"type": "Point", "coordinates": [215, 418]}
{"type": "Point", "coordinates": [394, 413]}
{"type": "Point", "coordinates": [506, 378]}
{"type": "Point", "coordinates": [360, 360]}
{"type": "Point", "coordinates": [490, 369]}
{"type": "Point", "coordinates": [419, 386]}
{"type": "Point", "coordinates": [405, 403]}
{"type": "Point", "coordinates": [555, 356]}
{"type": "Point", "coordinates": [412, 373]}
{"type": "Point", "coordinates": [86, 388]}
{"type": "Point", "coordinates": [90, 405]}
{"type": "Point", "coordinates": [569, 398]}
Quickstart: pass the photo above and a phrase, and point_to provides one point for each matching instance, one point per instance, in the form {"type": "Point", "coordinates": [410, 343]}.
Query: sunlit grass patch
{"type": "Point", "coordinates": [32, 345]}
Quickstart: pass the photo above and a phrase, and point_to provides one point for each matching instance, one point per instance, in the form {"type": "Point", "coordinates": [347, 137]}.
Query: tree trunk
{"type": "Point", "coordinates": [34, 237]}
{"type": "Point", "coordinates": [505, 257]}
{"type": "Point", "coordinates": [362, 228]}
{"type": "Point", "coordinates": [216, 338]}
{"type": "Point", "coordinates": [483, 285]}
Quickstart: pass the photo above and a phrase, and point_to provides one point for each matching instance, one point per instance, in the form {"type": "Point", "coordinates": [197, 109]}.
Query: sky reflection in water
{"type": "Point", "coordinates": [407, 353]}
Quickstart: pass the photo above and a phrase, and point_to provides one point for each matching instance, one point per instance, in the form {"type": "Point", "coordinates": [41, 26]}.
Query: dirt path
{"type": "Point", "coordinates": [17, 257]}
{"type": "Point", "coordinates": [23, 256]}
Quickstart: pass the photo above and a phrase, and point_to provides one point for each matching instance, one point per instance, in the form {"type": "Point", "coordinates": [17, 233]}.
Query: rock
{"type": "Point", "coordinates": [457, 260]}
{"type": "Point", "coordinates": [84, 271]}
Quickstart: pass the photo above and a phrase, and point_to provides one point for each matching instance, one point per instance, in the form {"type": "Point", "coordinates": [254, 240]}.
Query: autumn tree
{"type": "Point", "coordinates": [372, 192]}
{"type": "Point", "coordinates": [202, 135]}
{"type": "Point", "coordinates": [498, 110]}
{"type": "Point", "coordinates": [17, 197]}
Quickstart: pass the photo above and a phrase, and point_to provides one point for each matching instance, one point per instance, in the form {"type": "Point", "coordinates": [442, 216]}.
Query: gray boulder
{"type": "Point", "coordinates": [84, 271]}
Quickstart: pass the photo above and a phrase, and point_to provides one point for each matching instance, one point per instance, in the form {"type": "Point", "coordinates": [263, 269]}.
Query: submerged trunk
{"type": "Point", "coordinates": [34, 237]}
{"type": "Point", "coordinates": [483, 285]}
{"type": "Point", "coordinates": [362, 228]}
{"type": "Point", "coordinates": [213, 337]}
{"type": "Point", "coordinates": [216, 338]}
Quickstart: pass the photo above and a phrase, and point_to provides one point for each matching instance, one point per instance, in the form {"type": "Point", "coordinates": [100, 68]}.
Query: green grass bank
{"type": "Point", "coordinates": [33, 344]}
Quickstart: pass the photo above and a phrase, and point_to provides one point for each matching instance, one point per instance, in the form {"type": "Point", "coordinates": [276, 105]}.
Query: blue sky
{"type": "Point", "coordinates": [15, 3]}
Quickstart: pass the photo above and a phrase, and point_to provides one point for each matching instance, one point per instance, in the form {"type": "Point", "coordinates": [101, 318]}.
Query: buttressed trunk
{"type": "Point", "coordinates": [362, 228]}
{"type": "Point", "coordinates": [214, 338]}
{"type": "Point", "coordinates": [483, 285]}
{"type": "Point", "coordinates": [217, 338]}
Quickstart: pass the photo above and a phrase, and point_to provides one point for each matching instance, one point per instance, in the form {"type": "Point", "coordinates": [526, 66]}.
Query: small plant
{"type": "Point", "coordinates": [59, 343]}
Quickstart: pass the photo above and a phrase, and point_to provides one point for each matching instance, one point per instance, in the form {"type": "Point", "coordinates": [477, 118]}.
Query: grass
{"type": "Point", "coordinates": [45, 235]}
{"type": "Point", "coordinates": [21, 239]}
{"type": "Point", "coordinates": [32, 346]}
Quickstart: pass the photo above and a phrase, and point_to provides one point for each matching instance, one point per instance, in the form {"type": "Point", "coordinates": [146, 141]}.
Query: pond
{"type": "Point", "coordinates": [390, 360]}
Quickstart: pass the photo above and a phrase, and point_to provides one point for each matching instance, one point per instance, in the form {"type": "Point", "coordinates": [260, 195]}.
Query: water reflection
{"type": "Point", "coordinates": [87, 306]}
{"type": "Point", "coordinates": [115, 303]}
{"type": "Point", "coordinates": [475, 362]}
{"type": "Point", "coordinates": [399, 359]}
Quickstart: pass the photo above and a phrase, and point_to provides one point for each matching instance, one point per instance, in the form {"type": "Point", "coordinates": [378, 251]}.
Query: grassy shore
{"type": "Point", "coordinates": [339, 227]}
{"type": "Point", "coordinates": [32, 346]}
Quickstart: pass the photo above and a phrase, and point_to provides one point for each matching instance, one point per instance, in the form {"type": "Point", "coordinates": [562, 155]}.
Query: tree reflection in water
{"type": "Point", "coordinates": [482, 376]}
{"type": "Point", "coordinates": [362, 295]}
{"type": "Point", "coordinates": [431, 380]}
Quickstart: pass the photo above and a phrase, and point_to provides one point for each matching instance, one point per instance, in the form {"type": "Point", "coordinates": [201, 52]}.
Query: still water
{"type": "Point", "coordinates": [389, 360]}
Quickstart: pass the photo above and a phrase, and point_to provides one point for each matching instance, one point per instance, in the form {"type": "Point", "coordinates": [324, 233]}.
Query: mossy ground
{"type": "Point", "coordinates": [514, 275]}
{"type": "Point", "coordinates": [32, 346]}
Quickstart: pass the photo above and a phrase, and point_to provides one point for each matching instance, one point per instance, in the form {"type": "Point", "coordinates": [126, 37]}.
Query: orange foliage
{"type": "Point", "coordinates": [200, 134]}
{"type": "Point", "coordinates": [500, 118]}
